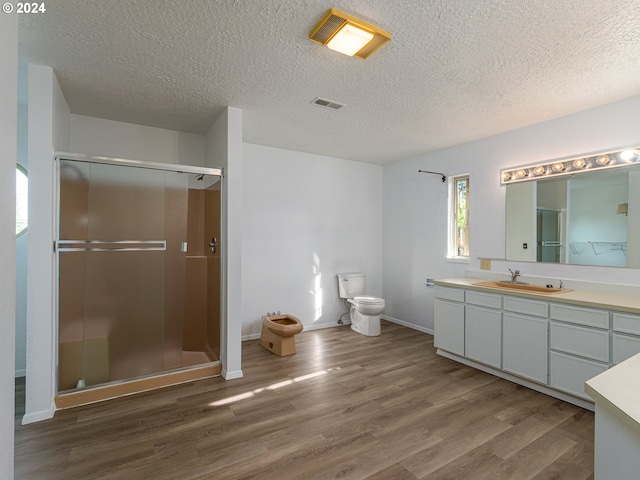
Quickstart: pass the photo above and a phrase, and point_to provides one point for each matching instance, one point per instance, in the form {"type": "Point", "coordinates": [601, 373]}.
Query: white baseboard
{"type": "Point", "coordinates": [307, 328]}
{"type": "Point", "coordinates": [38, 416]}
{"type": "Point", "coordinates": [420, 328]}
{"type": "Point", "coordinates": [231, 375]}
{"type": "Point", "coordinates": [552, 392]}
{"type": "Point", "coordinates": [322, 326]}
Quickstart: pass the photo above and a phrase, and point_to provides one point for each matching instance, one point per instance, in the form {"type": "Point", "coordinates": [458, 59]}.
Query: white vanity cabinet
{"type": "Point", "coordinates": [625, 338]}
{"type": "Point", "coordinates": [448, 320]}
{"type": "Point", "coordinates": [524, 338]}
{"type": "Point", "coordinates": [579, 340]}
{"type": "Point", "coordinates": [483, 328]}
{"type": "Point", "coordinates": [551, 344]}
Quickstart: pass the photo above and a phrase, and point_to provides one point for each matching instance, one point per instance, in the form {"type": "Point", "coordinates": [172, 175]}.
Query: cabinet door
{"type": "Point", "coordinates": [448, 326]}
{"type": "Point", "coordinates": [569, 373]}
{"type": "Point", "coordinates": [624, 347]}
{"type": "Point", "coordinates": [524, 346]}
{"type": "Point", "coordinates": [482, 336]}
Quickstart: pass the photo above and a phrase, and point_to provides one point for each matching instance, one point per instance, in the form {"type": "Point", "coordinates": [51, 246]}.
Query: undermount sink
{"type": "Point", "coordinates": [523, 287]}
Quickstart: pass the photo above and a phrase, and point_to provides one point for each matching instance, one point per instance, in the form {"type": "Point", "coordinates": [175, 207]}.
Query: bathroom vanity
{"type": "Point", "coordinates": [552, 343]}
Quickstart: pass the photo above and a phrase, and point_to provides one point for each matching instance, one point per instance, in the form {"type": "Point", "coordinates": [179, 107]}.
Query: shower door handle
{"type": "Point", "coordinates": [213, 245]}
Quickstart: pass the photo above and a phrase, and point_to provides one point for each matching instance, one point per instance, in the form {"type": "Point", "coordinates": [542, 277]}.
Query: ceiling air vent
{"type": "Point", "coordinates": [327, 103]}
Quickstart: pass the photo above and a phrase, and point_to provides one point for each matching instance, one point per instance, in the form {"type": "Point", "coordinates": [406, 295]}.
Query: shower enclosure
{"type": "Point", "coordinates": [138, 262]}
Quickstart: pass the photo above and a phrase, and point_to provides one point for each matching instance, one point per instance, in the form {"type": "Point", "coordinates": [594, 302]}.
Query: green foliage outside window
{"type": "Point", "coordinates": [462, 216]}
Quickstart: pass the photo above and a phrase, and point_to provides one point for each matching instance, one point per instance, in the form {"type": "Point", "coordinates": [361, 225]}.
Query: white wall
{"type": "Point", "coordinates": [306, 218]}
{"type": "Point", "coordinates": [96, 136]}
{"type": "Point", "coordinates": [521, 218]}
{"type": "Point", "coordinates": [8, 157]}
{"type": "Point", "coordinates": [224, 149]}
{"type": "Point", "coordinates": [415, 208]}
{"type": "Point", "coordinates": [49, 122]}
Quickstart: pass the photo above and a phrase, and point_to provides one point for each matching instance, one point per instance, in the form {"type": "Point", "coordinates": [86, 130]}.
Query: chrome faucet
{"type": "Point", "coordinates": [514, 275]}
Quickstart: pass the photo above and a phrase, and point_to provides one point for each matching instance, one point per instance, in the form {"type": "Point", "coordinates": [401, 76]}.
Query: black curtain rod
{"type": "Point", "coordinates": [444, 178]}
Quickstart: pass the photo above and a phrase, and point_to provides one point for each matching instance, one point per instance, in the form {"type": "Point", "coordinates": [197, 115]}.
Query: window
{"type": "Point", "coordinates": [22, 200]}
{"type": "Point", "coordinates": [459, 218]}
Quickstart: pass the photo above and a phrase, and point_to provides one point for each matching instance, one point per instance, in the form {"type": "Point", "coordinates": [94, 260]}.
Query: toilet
{"type": "Point", "coordinates": [365, 309]}
{"type": "Point", "coordinates": [278, 333]}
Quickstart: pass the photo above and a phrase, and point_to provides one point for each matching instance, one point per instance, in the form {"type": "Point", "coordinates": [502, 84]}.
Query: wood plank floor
{"type": "Point", "coordinates": [345, 406]}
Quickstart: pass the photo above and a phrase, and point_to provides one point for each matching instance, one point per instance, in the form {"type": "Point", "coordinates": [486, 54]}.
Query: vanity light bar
{"type": "Point", "coordinates": [571, 166]}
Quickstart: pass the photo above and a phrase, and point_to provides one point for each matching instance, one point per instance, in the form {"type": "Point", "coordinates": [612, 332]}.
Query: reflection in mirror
{"type": "Point", "coordinates": [587, 219]}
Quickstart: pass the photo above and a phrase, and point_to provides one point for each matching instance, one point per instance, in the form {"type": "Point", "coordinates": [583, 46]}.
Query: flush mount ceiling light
{"type": "Point", "coordinates": [572, 165]}
{"type": "Point", "coordinates": [349, 35]}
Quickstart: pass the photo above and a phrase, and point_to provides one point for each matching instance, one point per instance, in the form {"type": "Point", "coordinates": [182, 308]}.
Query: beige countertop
{"type": "Point", "coordinates": [619, 389]}
{"type": "Point", "coordinates": [607, 301]}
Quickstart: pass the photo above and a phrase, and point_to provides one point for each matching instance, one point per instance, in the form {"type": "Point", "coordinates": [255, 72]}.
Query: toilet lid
{"type": "Point", "coordinates": [369, 300]}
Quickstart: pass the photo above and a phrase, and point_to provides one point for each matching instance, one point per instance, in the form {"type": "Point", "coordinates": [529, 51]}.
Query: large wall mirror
{"type": "Point", "coordinates": [589, 216]}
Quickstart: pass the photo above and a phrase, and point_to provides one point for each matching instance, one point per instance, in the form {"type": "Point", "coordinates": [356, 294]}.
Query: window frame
{"type": "Point", "coordinates": [23, 170]}
{"type": "Point", "coordinates": [453, 252]}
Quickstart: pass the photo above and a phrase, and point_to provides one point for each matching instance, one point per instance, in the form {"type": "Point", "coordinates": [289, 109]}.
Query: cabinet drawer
{"type": "Point", "coordinates": [581, 341]}
{"type": "Point", "coordinates": [447, 293]}
{"type": "Point", "coordinates": [528, 307]}
{"type": "Point", "coordinates": [624, 347]}
{"type": "Point", "coordinates": [484, 299]}
{"type": "Point", "coordinates": [581, 316]}
{"type": "Point", "coordinates": [626, 323]}
{"type": "Point", "coordinates": [570, 373]}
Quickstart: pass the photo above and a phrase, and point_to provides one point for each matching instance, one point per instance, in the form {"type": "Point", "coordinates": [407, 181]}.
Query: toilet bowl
{"type": "Point", "coordinates": [365, 310]}
{"type": "Point", "coordinates": [365, 315]}
{"type": "Point", "coordinates": [278, 333]}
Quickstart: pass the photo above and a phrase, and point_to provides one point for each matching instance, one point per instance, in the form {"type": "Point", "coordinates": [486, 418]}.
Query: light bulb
{"type": "Point", "coordinates": [579, 163]}
{"type": "Point", "coordinates": [629, 156]}
{"type": "Point", "coordinates": [349, 40]}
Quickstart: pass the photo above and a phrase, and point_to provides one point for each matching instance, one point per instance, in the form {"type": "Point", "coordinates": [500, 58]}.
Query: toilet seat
{"type": "Point", "coordinates": [368, 300]}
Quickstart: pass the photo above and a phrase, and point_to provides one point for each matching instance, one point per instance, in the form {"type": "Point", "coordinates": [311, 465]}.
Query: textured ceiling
{"type": "Point", "coordinates": [455, 70]}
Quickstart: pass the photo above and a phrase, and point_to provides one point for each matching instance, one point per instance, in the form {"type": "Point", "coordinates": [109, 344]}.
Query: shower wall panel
{"type": "Point", "coordinates": [202, 296]}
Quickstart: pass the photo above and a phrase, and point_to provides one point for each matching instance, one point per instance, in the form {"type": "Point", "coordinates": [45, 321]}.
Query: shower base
{"type": "Point", "coordinates": [130, 387]}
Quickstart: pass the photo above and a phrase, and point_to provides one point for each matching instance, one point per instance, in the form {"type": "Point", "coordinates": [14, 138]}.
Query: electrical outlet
{"type": "Point", "coordinates": [485, 264]}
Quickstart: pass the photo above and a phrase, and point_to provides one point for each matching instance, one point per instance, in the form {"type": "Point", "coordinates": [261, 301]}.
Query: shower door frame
{"type": "Point", "coordinates": [146, 382]}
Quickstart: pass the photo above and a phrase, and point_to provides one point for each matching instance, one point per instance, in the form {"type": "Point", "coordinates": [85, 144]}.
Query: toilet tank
{"type": "Point", "coordinates": [351, 284]}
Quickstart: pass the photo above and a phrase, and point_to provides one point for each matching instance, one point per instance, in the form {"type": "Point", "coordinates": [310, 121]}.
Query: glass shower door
{"type": "Point", "coordinates": [121, 267]}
